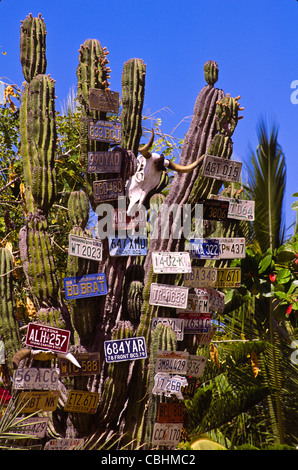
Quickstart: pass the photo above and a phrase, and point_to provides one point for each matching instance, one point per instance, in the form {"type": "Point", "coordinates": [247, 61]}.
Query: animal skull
{"type": "Point", "coordinates": [148, 174]}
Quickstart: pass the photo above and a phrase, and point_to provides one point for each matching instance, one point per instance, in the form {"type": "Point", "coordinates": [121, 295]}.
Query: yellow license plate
{"type": "Point", "coordinates": [79, 401]}
{"type": "Point", "coordinates": [228, 277]}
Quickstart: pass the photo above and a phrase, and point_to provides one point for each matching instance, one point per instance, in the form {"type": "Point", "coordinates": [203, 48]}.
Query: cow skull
{"type": "Point", "coordinates": [148, 174]}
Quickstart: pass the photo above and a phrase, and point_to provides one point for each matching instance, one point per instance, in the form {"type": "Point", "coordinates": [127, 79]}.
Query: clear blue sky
{"type": "Point", "coordinates": [255, 43]}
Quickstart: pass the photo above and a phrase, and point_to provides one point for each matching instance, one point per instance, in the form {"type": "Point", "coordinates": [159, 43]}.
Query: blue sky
{"type": "Point", "coordinates": [255, 43]}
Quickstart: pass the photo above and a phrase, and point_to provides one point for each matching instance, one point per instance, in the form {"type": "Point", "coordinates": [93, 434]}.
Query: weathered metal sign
{"type": "Point", "coordinates": [88, 285]}
{"type": "Point", "coordinates": [195, 323]}
{"type": "Point", "coordinates": [133, 245]}
{"type": "Point", "coordinates": [201, 277]}
{"type": "Point", "coordinates": [171, 361]}
{"type": "Point", "coordinates": [89, 363]}
{"type": "Point", "coordinates": [196, 303]}
{"type": "Point", "coordinates": [79, 401]}
{"type": "Point", "coordinates": [240, 209]}
{"type": "Point", "coordinates": [221, 168]}
{"type": "Point", "coordinates": [104, 162]}
{"type": "Point", "coordinates": [84, 247]}
{"type": "Point", "coordinates": [228, 277]}
{"type": "Point", "coordinates": [64, 444]}
{"type": "Point", "coordinates": [230, 248]}
{"type": "Point", "coordinates": [168, 295]}
{"type": "Point", "coordinates": [171, 412]}
{"type": "Point", "coordinates": [41, 400]}
{"type": "Point", "coordinates": [121, 221]}
{"type": "Point", "coordinates": [105, 131]}
{"type": "Point", "coordinates": [166, 434]}
{"type": "Point", "coordinates": [47, 337]}
{"type": "Point", "coordinates": [176, 324]}
{"type": "Point", "coordinates": [107, 190]}
{"type": "Point", "coordinates": [216, 298]}
{"type": "Point", "coordinates": [205, 338]}
{"type": "Point", "coordinates": [34, 426]}
{"type": "Point", "coordinates": [125, 349]}
{"type": "Point", "coordinates": [171, 262]}
{"type": "Point", "coordinates": [204, 248]}
{"type": "Point", "coordinates": [214, 209]}
{"type": "Point", "coordinates": [104, 100]}
{"type": "Point", "coordinates": [196, 365]}
{"type": "Point", "coordinates": [169, 384]}
{"type": "Point", "coordinates": [188, 390]}
{"type": "Point", "coordinates": [36, 379]}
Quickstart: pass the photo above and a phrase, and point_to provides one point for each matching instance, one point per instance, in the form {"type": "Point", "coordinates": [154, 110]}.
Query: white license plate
{"type": "Point", "coordinates": [201, 277]}
{"type": "Point", "coordinates": [128, 349]}
{"type": "Point", "coordinates": [83, 247]}
{"type": "Point", "coordinates": [34, 426]}
{"type": "Point", "coordinates": [196, 365]}
{"type": "Point", "coordinates": [168, 296]}
{"type": "Point", "coordinates": [166, 434]}
{"type": "Point", "coordinates": [221, 168]}
{"type": "Point", "coordinates": [231, 248]}
{"type": "Point", "coordinates": [68, 443]}
{"type": "Point", "coordinates": [171, 361]}
{"type": "Point", "coordinates": [176, 324]}
{"type": "Point", "coordinates": [36, 379]}
{"type": "Point", "coordinates": [171, 262]}
{"type": "Point", "coordinates": [240, 209]}
{"type": "Point", "coordinates": [204, 248]}
{"type": "Point", "coordinates": [134, 245]}
{"type": "Point", "coordinates": [216, 298]}
{"type": "Point", "coordinates": [228, 277]}
{"type": "Point", "coordinates": [197, 303]}
{"type": "Point", "coordinates": [169, 385]}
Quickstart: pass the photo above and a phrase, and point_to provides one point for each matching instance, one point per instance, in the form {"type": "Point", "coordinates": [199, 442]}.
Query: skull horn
{"type": "Point", "coordinates": [186, 168]}
{"type": "Point", "coordinates": [19, 356]}
{"type": "Point", "coordinates": [145, 150]}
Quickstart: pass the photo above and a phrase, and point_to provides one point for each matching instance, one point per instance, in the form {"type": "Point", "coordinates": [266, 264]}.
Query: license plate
{"type": "Point", "coordinates": [166, 434]}
{"type": "Point", "coordinates": [196, 365]}
{"type": "Point", "coordinates": [214, 209]}
{"type": "Point", "coordinates": [134, 245]}
{"type": "Point", "coordinates": [228, 277]}
{"type": "Point", "coordinates": [231, 248]}
{"type": "Point", "coordinates": [64, 444]}
{"type": "Point", "coordinates": [121, 221]}
{"type": "Point", "coordinates": [205, 338]}
{"type": "Point", "coordinates": [240, 209]}
{"type": "Point", "coordinates": [34, 426]}
{"type": "Point", "coordinates": [104, 100]}
{"type": "Point", "coordinates": [188, 391]}
{"type": "Point", "coordinates": [83, 247]}
{"type": "Point", "coordinates": [88, 285]}
{"type": "Point", "coordinates": [36, 379]}
{"type": "Point", "coordinates": [204, 248]}
{"type": "Point", "coordinates": [201, 277]}
{"type": "Point", "coordinates": [174, 262]}
{"type": "Point", "coordinates": [197, 303]}
{"type": "Point", "coordinates": [196, 322]}
{"type": "Point", "coordinates": [216, 299]}
{"type": "Point", "coordinates": [125, 349]}
{"type": "Point", "coordinates": [79, 401]}
{"type": "Point", "coordinates": [47, 337]}
{"type": "Point", "coordinates": [104, 162]}
{"type": "Point", "coordinates": [170, 412]}
{"type": "Point", "coordinates": [168, 296]}
{"type": "Point", "coordinates": [176, 324]}
{"type": "Point", "coordinates": [171, 361]}
{"type": "Point", "coordinates": [89, 363]}
{"type": "Point", "coordinates": [107, 190]}
{"type": "Point", "coordinates": [169, 384]}
{"type": "Point", "coordinates": [221, 168]}
{"type": "Point", "coordinates": [34, 401]}
{"type": "Point", "coordinates": [105, 131]}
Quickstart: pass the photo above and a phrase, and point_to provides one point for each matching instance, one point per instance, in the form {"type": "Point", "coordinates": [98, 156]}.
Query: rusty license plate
{"type": "Point", "coordinates": [89, 363]}
{"type": "Point", "coordinates": [221, 168]}
{"type": "Point", "coordinates": [107, 190]}
{"type": "Point", "coordinates": [104, 162]}
{"type": "Point", "coordinates": [104, 100]}
{"type": "Point", "coordinates": [105, 131]}
{"type": "Point", "coordinates": [170, 412]}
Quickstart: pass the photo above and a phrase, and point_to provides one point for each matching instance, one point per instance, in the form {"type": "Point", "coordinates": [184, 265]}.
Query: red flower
{"type": "Point", "coordinates": [289, 309]}
{"type": "Point", "coordinates": [272, 277]}
{"type": "Point", "coordinates": [4, 396]}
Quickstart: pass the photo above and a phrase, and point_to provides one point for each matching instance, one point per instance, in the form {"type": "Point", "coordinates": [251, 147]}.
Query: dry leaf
{"type": "Point", "coordinates": [214, 354]}
{"type": "Point", "coordinates": [254, 363]}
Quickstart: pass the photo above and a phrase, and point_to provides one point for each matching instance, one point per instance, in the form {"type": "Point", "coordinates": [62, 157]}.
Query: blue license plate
{"type": "Point", "coordinates": [204, 248]}
{"type": "Point", "coordinates": [135, 245]}
{"type": "Point", "coordinates": [88, 285]}
{"type": "Point", "coordinates": [125, 349]}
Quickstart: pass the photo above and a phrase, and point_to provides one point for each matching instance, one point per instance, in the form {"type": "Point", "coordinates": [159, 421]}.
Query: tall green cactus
{"type": "Point", "coordinates": [33, 47]}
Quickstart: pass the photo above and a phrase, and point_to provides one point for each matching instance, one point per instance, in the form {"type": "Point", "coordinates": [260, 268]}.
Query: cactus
{"type": "Point", "coordinates": [211, 72]}
{"type": "Point", "coordinates": [33, 47]}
